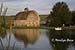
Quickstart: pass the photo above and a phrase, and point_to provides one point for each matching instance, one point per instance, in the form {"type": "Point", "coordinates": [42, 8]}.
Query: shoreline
{"type": "Point", "coordinates": [41, 27]}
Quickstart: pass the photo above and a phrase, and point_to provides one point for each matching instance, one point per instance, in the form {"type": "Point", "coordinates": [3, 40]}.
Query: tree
{"type": "Point", "coordinates": [73, 17]}
{"type": "Point", "coordinates": [60, 14]}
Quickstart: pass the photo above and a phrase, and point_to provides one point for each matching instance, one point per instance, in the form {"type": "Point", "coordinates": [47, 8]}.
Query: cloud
{"type": "Point", "coordinates": [42, 6]}
{"type": "Point", "coordinates": [10, 0]}
{"type": "Point", "coordinates": [71, 4]}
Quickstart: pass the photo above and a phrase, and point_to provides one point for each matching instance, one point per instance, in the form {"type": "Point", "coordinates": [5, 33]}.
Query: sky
{"type": "Point", "coordinates": [41, 6]}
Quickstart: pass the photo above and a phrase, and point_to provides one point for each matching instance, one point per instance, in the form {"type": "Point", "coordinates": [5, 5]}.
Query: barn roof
{"type": "Point", "coordinates": [23, 15]}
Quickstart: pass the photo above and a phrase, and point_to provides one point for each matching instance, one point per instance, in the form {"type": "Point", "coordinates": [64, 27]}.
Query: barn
{"type": "Point", "coordinates": [27, 18]}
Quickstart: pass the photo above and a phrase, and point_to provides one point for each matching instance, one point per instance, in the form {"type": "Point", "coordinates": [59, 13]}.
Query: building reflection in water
{"type": "Point", "coordinates": [28, 36]}
{"type": "Point", "coordinates": [61, 36]}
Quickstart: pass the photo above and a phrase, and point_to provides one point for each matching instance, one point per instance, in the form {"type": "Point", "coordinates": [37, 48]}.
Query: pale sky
{"type": "Point", "coordinates": [41, 6]}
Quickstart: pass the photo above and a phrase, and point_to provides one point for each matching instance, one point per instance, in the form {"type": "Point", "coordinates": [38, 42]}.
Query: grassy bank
{"type": "Point", "coordinates": [41, 27]}
{"type": "Point", "coordinates": [9, 18]}
{"type": "Point", "coordinates": [43, 17]}
{"type": "Point", "coordinates": [63, 28]}
{"type": "Point", "coordinates": [33, 28]}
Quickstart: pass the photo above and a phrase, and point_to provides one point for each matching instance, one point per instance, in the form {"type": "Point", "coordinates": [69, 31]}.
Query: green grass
{"type": "Point", "coordinates": [43, 17]}
{"type": "Point", "coordinates": [33, 28]}
{"type": "Point", "coordinates": [63, 28]}
{"type": "Point", "coordinates": [42, 27]}
{"type": "Point", "coordinates": [69, 28]}
{"type": "Point", "coordinates": [8, 18]}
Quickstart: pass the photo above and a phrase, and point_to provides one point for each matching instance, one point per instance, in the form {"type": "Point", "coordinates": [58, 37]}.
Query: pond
{"type": "Point", "coordinates": [37, 39]}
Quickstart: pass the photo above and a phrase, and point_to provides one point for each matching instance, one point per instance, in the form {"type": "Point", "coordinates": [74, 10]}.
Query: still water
{"type": "Point", "coordinates": [37, 39]}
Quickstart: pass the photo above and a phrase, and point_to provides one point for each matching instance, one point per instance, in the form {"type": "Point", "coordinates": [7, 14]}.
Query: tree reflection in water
{"type": "Point", "coordinates": [62, 34]}
{"type": "Point", "coordinates": [2, 36]}
{"type": "Point", "coordinates": [28, 36]}
{"type": "Point", "coordinates": [2, 33]}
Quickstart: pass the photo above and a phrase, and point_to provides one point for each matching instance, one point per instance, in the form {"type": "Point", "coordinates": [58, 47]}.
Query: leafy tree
{"type": "Point", "coordinates": [60, 14]}
{"type": "Point", "coordinates": [73, 17]}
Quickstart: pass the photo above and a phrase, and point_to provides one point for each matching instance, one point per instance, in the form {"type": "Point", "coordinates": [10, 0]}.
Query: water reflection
{"type": "Point", "coordinates": [21, 39]}
{"type": "Point", "coordinates": [2, 36]}
{"type": "Point", "coordinates": [28, 36]}
{"type": "Point", "coordinates": [2, 33]}
{"type": "Point", "coordinates": [38, 38]}
{"type": "Point", "coordinates": [58, 39]}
